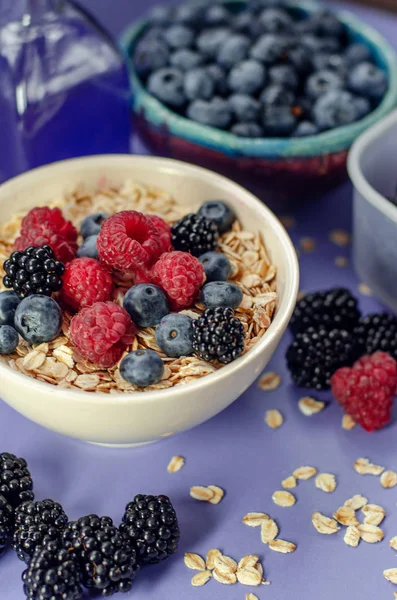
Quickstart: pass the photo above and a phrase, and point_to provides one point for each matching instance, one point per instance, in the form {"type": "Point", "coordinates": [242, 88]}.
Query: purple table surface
{"type": "Point", "coordinates": [237, 451]}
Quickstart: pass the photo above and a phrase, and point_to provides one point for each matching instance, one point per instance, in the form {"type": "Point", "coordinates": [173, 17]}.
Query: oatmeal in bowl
{"type": "Point", "coordinates": [124, 275]}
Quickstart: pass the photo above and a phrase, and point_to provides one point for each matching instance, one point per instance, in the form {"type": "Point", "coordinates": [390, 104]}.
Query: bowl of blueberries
{"type": "Point", "coordinates": [269, 92]}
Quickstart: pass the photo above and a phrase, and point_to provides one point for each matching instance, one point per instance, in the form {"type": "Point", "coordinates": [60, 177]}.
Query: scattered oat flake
{"type": "Point", "coordinates": [255, 519]}
{"type": "Point", "coordinates": [282, 546]}
{"type": "Point", "coordinates": [201, 493]}
{"type": "Point", "coordinates": [388, 479]}
{"type": "Point", "coordinates": [211, 556]}
{"type": "Point", "coordinates": [250, 560]}
{"type": "Point", "coordinates": [393, 543]}
{"type": "Point", "coordinates": [346, 515]}
{"type": "Point", "coordinates": [307, 244]}
{"type": "Point", "coordinates": [324, 524]}
{"type": "Point", "coordinates": [251, 596]}
{"type": "Point", "coordinates": [225, 578]}
{"type": "Point", "coordinates": [269, 531]}
{"type": "Point", "coordinates": [225, 564]}
{"type": "Point", "coordinates": [274, 418]}
{"type": "Point", "coordinates": [269, 381]}
{"type": "Point", "coordinates": [249, 576]}
{"type": "Point", "coordinates": [356, 502]}
{"type": "Point", "coordinates": [326, 482]}
{"type": "Point", "coordinates": [390, 575]}
{"type": "Point", "coordinates": [283, 498]}
{"type": "Point", "coordinates": [374, 514]}
{"type": "Point", "coordinates": [352, 536]}
{"type": "Point", "coordinates": [364, 289]}
{"type": "Point", "coordinates": [341, 261]}
{"type": "Point", "coordinates": [305, 473]}
{"type": "Point", "coordinates": [289, 483]}
{"type": "Point", "coordinates": [201, 578]}
{"type": "Point", "coordinates": [370, 533]}
{"type": "Point", "coordinates": [309, 406]}
{"type": "Point", "coordinates": [288, 221]}
{"type": "Point", "coordinates": [348, 423]}
{"type": "Point", "coordinates": [194, 561]}
{"type": "Point", "coordinates": [364, 467]}
{"type": "Point", "coordinates": [339, 237]}
{"type": "Point", "coordinates": [176, 463]}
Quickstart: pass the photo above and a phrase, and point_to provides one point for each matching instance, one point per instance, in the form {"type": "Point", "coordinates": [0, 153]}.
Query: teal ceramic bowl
{"type": "Point", "coordinates": [277, 167]}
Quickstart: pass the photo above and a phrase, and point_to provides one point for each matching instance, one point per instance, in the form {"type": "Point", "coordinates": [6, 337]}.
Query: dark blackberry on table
{"type": "Point", "coordinates": [37, 523]}
{"type": "Point", "coordinates": [52, 574]}
{"type": "Point", "coordinates": [6, 523]}
{"type": "Point", "coordinates": [107, 558]}
{"type": "Point", "coordinates": [330, 309]}
{"type": "Point", "coordinates": [16, 483]}
{"type": "Point", "coordinates": [315, 355]}
{"type": "Point", "coordinates": [195, 234]}
{"type": "Point", "coordinates": [218, 335]}
{"type": "Point", "coordinates": [33, 271]}
{"type": "Point", "coordinates": [377, 332]}
{"type": "Point", "coordinates": [150, 522]}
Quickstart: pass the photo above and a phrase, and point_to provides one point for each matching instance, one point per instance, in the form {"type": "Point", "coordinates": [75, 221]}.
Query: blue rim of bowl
{"type": "Point", "coordinates": [329, 142]}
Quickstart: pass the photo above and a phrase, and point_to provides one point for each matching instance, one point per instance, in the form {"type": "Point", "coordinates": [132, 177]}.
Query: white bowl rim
{"type": "Point", "coordinates": [278, 322]}
{"type": "Point", "coordinates": [358, 178]}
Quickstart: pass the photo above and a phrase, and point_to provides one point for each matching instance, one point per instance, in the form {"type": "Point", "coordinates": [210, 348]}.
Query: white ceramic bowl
{"type": "Point", "coordinates": [129, 419]}
{"type": "Point", "coordinates": [372, 168]}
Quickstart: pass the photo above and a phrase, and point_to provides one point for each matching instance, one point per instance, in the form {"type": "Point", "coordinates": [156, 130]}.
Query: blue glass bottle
{"type": "Point", "coordinates": [64, 88]}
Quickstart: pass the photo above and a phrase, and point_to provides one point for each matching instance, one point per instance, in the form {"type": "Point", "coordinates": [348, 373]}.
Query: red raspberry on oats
{"type": "Point", "coordinates": [128, 239]}
{"type": "Point", "coordinates": [85, 282]}
{"type": "Point", "coordinates": [164, 232]}
{"type": "Point", "coordinates": [102, 332]}
{"type": "Point", "coordinates": [366, 390]}
{"type": "Point", "coordinates": [47, 226]}
{"type": "Point", "coordinates": [181, 276]}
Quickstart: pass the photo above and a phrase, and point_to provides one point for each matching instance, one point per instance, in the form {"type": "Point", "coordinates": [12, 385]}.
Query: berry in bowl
{"type": "Point", "coordinates": [261, 93]}
{"type": "Point", "coordinates": [188, 287]}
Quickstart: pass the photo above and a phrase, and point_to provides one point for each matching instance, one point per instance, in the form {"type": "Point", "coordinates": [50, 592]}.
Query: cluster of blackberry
{"type": "Point", "coordinates": [64, 556]}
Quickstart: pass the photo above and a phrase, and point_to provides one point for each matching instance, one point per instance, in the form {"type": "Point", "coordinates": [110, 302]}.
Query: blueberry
{"type": "Point", "coordinates": [150, 55]}
{"type": "Point", "coordinates": [304, 107]}
{"type": "Point", "coordinates": [220, 79]}
{"type": "Point", "coordinates": [38, 319]}
{"type": "Point", "coordinates": [357, 53]}
{"type": "Point", "coordinates": [216, 15]}
{"type": "Point", "coordinates": [368, 80]}
{"type": "Point", "coordinates": [284, 75]}
{"type": "Point", "coordinates": [92, 224]}
{"type": "Point", "coordinates": [146, 304]}
{"type": "Point", "coordinates": [88, 248]}
{"type": "Point", "coordinates": [331, 62]}
{"type": "Point", "coordinates": [325, 23]}
{"type": "Point", "coordinates": [188, 14]}
{"type": "Point", "coordinates": [320, 44]}
{"type": "Point", "coordinates": [221, 293]}
{"type": "Point", "coordinates": [199, 84]}
{"type": "Point", "coordinates": [8, 339]}
{"type": "Point", "coordinates": [248, 130]}
{"type": "Point", "coordinates": [214, 113]}
{"type": "Point", "coordinates": [363, 106]}
{"type": "Point", "coordinates": [179, 36]}
{"type": "Point", "coordinates": [216, 265]}
{"type": "Point", "coordinates": [8, 305]}
{"type": "Point", "coordinates": [322, 82]}
{"type": "Point", "coordinates": [269, 49]}
{"type": "Point", "coordinates": [305, 128]}
{"type": "Point", "coordinates": [210, 40]}
{"type": "Point", "coordinates": [245, 108]}
{"type": "Point", "coordinates": [167, 85]}
{"type": "Point", "coordinates": [246, 23]}
{"type": "Point", "coordinates": [275, 20]}
{"type": "Point", "coordinates": [233, 50]}
{"type": "Point", "coordinates": [161, 15]}
{"type": "Point", "coordinates": [247, 77]}
{"type": "Point", "coordinates": [278, 121]}
{"type": "Point", "coordinates": [142, 368]}
{"type": "Point", "coordinates": [185, 59]}
{"type": "Point", "coordinates": [276, 95]}
{"type": "Point", "coordinates": [334, 109]}
{"type": "Point", "coordinates": [219, 212]}
{"type": "Point", "coordinates": [174, 335]}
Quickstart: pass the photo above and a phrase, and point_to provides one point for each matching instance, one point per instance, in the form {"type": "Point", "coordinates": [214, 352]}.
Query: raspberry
{"type": "Point", "coordinates": [366, 390]}
{"type": "Point", "coordinates": [85, 282]}
{"type": "Point", "coordinates": [128, 240]}
{"type": "Point", "coordinates": [102, 332]}
{"type": "Point", "coordinates": [47, 226]}
{"type": "Point", "coordinates": [163, 230]}
{"type": "Point", "coordinates": [180, 275]}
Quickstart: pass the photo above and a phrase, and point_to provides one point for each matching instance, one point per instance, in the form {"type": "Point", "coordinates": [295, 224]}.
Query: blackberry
{"type": "Point", "coordinates": [150, 522]}
{"type": "Point", "coordinates": [6, 523]}
{"type": "Point", "coordinates": [315, 355]}
{"type": "Point", "coordinates": [33, 271]}
{"type": "Point", "coordinates": [53, 574]}
{"type": "Point", "coordinates": [218, 335]}
{"type": "Point", "coordinates": [16, 483]}
{"type": "Point", "coordinates": [37, 523]}
{"type": "Point", "coordinates": [107, 559]}
{"type": "Point", "coordinates": [331, 309]}
{"type": "Point", "coordinates": [194, 234]}
{"type": "Point", "coordinates": [377, 332]}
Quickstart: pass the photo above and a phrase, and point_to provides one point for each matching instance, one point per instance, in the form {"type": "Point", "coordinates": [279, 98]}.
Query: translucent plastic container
{"type": "Point", "coordinates": [372, 166]}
